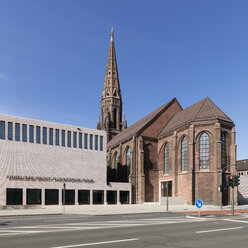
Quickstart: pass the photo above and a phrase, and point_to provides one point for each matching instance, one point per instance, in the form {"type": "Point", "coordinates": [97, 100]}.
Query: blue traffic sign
{"type": "Point", "coordinates": [198, 203]}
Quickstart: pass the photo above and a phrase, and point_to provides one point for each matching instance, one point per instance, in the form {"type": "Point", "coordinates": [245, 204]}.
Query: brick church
{"type": "Point", "coordinates": [184, 148]}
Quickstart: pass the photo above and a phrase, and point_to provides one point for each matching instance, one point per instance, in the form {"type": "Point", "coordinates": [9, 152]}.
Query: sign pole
{"type": "Point", "coordinates": [233, 198]}
{"type": "Point", "coordinates": [64, 199]}
{"type": "Point", "coordinates": [199, 204]}
{"type": "Point", "coordinates": [167, 199]}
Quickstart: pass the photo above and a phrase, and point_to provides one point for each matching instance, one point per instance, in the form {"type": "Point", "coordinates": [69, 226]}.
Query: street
{"type": "Point", "coordinates": [136, 230]}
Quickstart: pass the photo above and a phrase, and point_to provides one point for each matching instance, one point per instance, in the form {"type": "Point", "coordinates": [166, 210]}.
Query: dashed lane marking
{"type": "Point", "coordinates": [233, 220]}
{"type": "Point", "coordinates": [98, 243]}
{"type": "Point", "coordinates": [90, 225]}
{"type": "Point", "coordinates": [220, 230]}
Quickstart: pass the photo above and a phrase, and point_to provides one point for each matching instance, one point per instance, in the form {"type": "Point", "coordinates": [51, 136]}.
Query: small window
{"type": "Point", "coordinates": [164, 189]}
{"type": "Point", "coordinates": [112, 197]}
{"type": "Point", "coordinates": [101, 143]}
{"type": "Point", "coordinates": [57, 137]}
{"type": "Point", "coordinates": [10, 131]}
{"type": "Point", "coordinates": [83, 197]}
{"type": "Point", "coordinates": [33, 196]}
{"type": "Point", "coordinates": [96, 142]}
{"type": "Point", "coordinates": [63, 137]}
{"type": "Point", "coordinates": [85, 141]}
{"type": "Point", "coordinates": [124, 197]}
{"type": "Point", "coordinates": [44, 135]}
{"type": "Point", "coordinates": [98, 196]}
{"type": "Point", "coordinates": [17, 131]}
{"type": "Point", "coordinates": [51, 196]}
{"type": "Point", "coordinates": [2, 129]}
{"type": "Point", "coordinates": [38, 134]}
{"type": "Point", "coordinates": [91, 141]}
{"type": "Point", "coordinates": [69, 138]}
{"type": "Point", "coordinates": [31, 133]}
{"type": "Point", "coordinates": [24, 132]}
{"type": "Point", "coordinates": [14, 196]}
{"type": "Point", "coordinates": [69, 196]}
{"type": "Point", "coordinates": [50, 136]}
{"type": "Point", "coordinates": [75, 139]}
{"type": "Point", "coordinates": [80, 140]}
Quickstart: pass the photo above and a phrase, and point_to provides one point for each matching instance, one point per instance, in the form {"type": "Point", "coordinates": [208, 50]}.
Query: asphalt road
{"type": "Point", "coordinates": [136, 230]}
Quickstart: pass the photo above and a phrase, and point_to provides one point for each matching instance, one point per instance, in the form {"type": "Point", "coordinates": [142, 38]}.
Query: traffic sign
{"type": "Point", "coordinates": [198, 203]}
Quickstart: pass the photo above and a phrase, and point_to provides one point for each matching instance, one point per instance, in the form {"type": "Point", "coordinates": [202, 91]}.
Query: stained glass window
{"type": "Point", "coordinates": [204, 151]}
{"type": "Point", "coordinates": [184, 154]}
{"type": "Point", "coordinates": [166, 159]}
{"type": "Point", "coordinates": [223, 150]}
{"type": "Point", "coordinates": [116, 166]}
{"type": "Point", "coordinates": [128, 161]}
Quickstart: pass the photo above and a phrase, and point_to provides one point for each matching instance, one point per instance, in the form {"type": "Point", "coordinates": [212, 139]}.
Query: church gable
{"type": "Point", "coordinates": [154, 127]}
{"type": "Point", "coordinates": [200, 111]}
{"type": "Point", "coordinates": [149, 126]}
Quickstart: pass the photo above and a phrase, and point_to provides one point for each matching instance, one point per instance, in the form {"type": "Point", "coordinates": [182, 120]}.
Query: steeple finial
{"type": "Point", "coordinates": [112, 34]}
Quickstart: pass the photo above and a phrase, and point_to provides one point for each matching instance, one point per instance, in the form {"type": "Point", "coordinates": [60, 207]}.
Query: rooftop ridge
{"type": "Point", "coordinates": [210, 103]}
{"type": "Point", "coordinates": [138, 126]}
{"type": "Point", "coordinates": [204, 110]}
{"type": "Point", "coordinates": [200, 107]}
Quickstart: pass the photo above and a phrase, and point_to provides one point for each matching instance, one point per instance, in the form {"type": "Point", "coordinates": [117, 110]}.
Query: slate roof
{"type": "Point", "coordinates": [137, 127]}
{"type": "Point", "coordinates": [200, 111]}
{"type": "Point", "coordinates": [242, 165]}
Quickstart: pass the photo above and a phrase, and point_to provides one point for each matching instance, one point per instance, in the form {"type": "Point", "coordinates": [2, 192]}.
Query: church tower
{"type": "Point", "coordinates": [111, 101]}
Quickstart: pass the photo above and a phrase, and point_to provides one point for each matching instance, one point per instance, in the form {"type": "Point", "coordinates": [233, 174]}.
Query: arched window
{"type": "Point", "coordinates": [184, 154]}
{"type": "Point", "coordinates": [166, 159]}
{"type": "Point", "coordinates": [128, 162]}
{"type": "Point", "coordinates": [116, 166]}
{"type": "Point", "coordinates": [114, 120]}
{"type": "Point", "coordinates": [223, 150]}
{"type": "Point", "coordinates": [204, 151]}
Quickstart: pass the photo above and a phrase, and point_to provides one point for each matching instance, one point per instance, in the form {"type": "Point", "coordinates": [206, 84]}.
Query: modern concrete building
{"type": "Point", "coordinates": [38, 159]}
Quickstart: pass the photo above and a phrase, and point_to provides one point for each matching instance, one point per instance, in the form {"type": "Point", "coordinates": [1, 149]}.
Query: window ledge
{"type": "Point", "coordinates": [183, 172]}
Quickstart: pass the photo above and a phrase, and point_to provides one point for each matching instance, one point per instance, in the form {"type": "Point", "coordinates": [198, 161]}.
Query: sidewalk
{"type": "Point", "coordinates": [119, 209]}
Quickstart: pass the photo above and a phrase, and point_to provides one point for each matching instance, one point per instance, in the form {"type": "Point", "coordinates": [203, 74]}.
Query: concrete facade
{"type": "Point", "coordinates": [32, 165]}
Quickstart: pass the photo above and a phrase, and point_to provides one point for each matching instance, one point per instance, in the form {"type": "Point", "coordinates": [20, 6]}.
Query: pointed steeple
{"type": "Point", "coordinates": [111, 87]}
{"type": "Point", "coordinates": [111, 101]}
{"type": "Point", "coordinates": [124, 123]}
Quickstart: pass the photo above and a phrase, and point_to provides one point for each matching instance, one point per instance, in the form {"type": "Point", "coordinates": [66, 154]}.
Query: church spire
{"type": "Point", "coordinates": [112, 34]}
{"type": "Point", "coordinates": [111, 85]}
{"type": "Point", "coordinates": [111, 101]}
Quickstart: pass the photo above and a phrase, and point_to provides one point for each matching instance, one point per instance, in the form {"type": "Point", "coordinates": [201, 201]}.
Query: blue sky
{"type": "Point", "coordinates": [53, 56]}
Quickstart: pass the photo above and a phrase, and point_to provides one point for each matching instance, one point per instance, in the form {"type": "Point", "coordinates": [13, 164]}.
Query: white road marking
{"type": "Point", "coordinates": [98, 243]}
{"type": "Point", "coordinates": [91, 225]}
{"type": "Point", "coordinates": [220, 230]}
{"type": "Point", "coordinates": [240, 221]}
